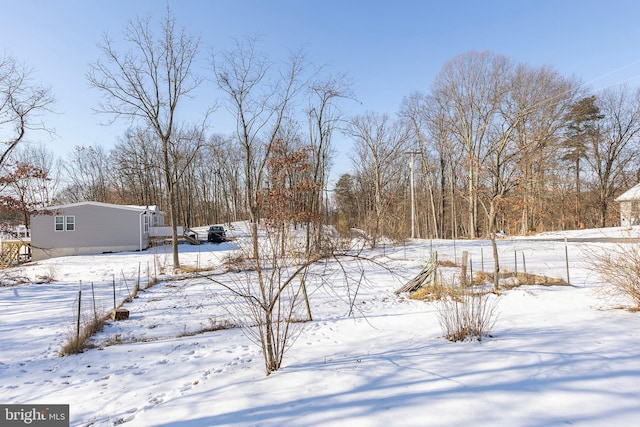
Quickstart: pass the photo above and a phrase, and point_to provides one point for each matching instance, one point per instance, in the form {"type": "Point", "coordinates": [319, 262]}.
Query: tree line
{"type": "Point", "coordinates": [498, 146]}
{"type": "Point", "coordinates": [493, 145]}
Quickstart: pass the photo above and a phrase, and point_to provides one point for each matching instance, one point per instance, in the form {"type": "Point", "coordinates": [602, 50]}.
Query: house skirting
{"type": "Point", "coordinates": [38, 254]}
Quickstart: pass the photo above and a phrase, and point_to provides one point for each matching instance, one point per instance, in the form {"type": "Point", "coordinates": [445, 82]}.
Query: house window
{"type": "Point", "coordinates": [59, 223]}
{"type": "Point", "coordinates": [146, 224]}
{"type": "Point", "coordinates": [65, 223]}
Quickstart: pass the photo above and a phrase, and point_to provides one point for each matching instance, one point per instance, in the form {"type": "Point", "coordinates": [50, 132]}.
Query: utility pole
{"type": "Point", "coordinates": [413, 196]}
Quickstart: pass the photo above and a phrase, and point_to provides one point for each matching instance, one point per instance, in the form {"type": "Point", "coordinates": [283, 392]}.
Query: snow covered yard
{"type": "Point", "coordinates": [559, 355]}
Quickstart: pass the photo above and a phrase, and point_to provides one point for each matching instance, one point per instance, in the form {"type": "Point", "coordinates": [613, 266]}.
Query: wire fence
{"type": "Point", "coordinates": [558, 259]}
{"type": "Point", "coordinates": [95, 302]}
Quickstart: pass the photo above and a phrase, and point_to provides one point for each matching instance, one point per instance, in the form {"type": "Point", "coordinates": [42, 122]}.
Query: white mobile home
{"type": "Point", "coordinates": [91, 228]}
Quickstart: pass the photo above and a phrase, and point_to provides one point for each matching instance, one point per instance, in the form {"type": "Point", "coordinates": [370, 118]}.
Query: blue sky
{"type": "Point", "coordinates": [388, 49]}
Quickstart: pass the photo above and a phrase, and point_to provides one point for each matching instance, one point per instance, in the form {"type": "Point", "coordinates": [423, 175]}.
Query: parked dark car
{"type": "Point", "coordinates": [216, 234]}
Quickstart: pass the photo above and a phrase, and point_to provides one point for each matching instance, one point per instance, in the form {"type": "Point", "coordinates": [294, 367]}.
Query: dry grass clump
{"type": "Point", "coordinates": [236, 263]}
{"type": "Point", "coordinates": [152, 282]}
{"type": "Point", "coordinates": [6, 280]}
{"type": "Point", "coordinates": [511, 280]}
{"type": "Point", "coordinates": [214, 325]}
{"type": "Point", "coordinates": [446, 263]}
{"type": "Point", "coordinates": [192, 269]}
{"type": "Point", "coordinates": [481, 278]}
{"type": "Point", "coordinates": [77, 342]}
{"type": "Point", "coordinates": [432, 292]}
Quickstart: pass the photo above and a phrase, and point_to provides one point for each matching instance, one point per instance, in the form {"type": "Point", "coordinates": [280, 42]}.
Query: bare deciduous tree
{"type": "Point", "coordinates": [466, 88]}
{"type": "Point", "coordinates": [260, 105]}
{"type": "Point", "coordinates": [380, 144]}
{"type": "Point", "coordinates": [545, 96]}
{"type": "Point", "coordinates": [21, 104]}
{"type": "Point", "coordinates": [42, 189]}
{"type": "Point", "coordinates": [87, 173]}
{"type": "Point", "coordinates": [146, 84]}
{"type": "Point", "coordinates": [138, 179]}
{"type": "Point", "coordinates": [616, 147]}
{"type": "Point", "coordinates": [271, 310]}
{"type": "Point", "coordinates": [324, 118]}
{"type": "Point", "coordinates": [416, 110]}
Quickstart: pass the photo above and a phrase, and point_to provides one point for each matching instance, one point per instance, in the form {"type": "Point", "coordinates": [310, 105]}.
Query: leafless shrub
{"type": "Point", "coordinates": [268, 299]}
{"type": "Point", "coordinates": [466, 313]}
{"type": "Point", "coordinates": [619, 270]}
{"type": "Point", "coordinates": [267, 295]}
{"type": "Point", "coordinates": [47, 278]}
{"type": "Point", "coordinates": [160, 258]}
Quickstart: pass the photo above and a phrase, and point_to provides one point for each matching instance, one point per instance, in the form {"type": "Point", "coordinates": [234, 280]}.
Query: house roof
{"type": "Point", "coordinates": [135, 208]}
{"type": "Point", "coordinates": [631, 194]}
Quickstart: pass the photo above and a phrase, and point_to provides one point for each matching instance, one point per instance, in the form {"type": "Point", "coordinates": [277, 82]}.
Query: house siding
{"type": "Point", "coordinates": [630, 207]}
{"type": "Point", "coordinates": [98, 229]}
{"type": "Point", "coordinates": [629, 213]}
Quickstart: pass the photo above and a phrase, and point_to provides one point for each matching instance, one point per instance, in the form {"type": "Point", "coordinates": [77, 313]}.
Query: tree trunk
{"type": "Point", "coordinates": [173, 209]}
{"type": "Point", "coordinates": [604, 207]}
{"type": "Point", "coordinates": [443, 191]}
{"type": "Point", "coordinates": [174, 230]}
{"type": "Point", "coordinates": [270, 360]}
{"type": "Point", "coordinates": [494, 246]}
{"type": "Point", "coordinates": [471, 206]}
{"type": "Point", "coordinates": [578, 219]}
